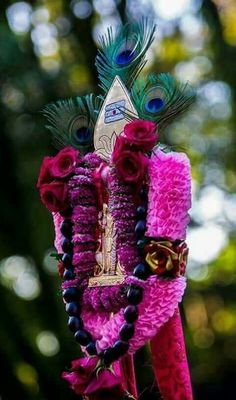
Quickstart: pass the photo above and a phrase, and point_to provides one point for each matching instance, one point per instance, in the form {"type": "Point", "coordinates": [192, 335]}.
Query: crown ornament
{"type": "Point", "coordinates": [120, 203]}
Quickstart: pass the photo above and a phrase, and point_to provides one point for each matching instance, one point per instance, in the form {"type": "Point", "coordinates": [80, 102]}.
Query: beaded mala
{"type": "Point", "coordinates": [79, 236]}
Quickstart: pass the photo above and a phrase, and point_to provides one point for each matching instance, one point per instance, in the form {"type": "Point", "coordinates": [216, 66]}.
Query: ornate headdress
{"type": "Point", "coordinates": [120, 202]}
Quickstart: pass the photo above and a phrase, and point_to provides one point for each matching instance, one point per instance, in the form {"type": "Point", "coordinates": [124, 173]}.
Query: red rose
{"type": "Point", "coordinates": [142, 134]}
{"type": "Point", "coordinates": [131, 166]}
{"type": "Point", "coordinates": [45, 172]}
{"type": "Point", "coordinates": [121, 145]}
{"type": "Point", "coordinates": [60, 166]}
{"type": "Point", "coordinates": [54, 195]}
{"type": "Point", "coordinates": [64, 163]}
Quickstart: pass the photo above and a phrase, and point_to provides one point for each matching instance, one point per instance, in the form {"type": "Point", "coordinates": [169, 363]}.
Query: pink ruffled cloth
{"type": "Point", "coordinates": [161, 298]}
{"type": "Point", "coordinates": [57, 219]}
{"type": "Point", "coordinates": [169, 197]}
{"type": "Point", "coordinates": [94, 321]}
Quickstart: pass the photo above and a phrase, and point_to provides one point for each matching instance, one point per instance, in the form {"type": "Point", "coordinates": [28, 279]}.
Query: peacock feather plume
{"type": "Point", "coordinates": [123, 53]}
{"type": "Point", "coordinates": [160, 98]}
{"type": "Point", "coordinates": [72, 121]}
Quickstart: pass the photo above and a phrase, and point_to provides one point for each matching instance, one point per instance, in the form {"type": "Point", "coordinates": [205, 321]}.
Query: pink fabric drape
{"type": "Point", "coordinates": [169, 361]}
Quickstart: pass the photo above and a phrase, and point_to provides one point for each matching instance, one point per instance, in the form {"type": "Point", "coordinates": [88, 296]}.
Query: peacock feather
{"type": "Point", "coordinates": [123, 53]}
{"type": "Point", "coordinates": [72, 121]}
{"type": "Point", "coordinates": [160, 98]}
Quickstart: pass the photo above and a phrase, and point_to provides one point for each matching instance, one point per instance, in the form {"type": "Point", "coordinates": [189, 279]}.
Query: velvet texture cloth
{"type": "Point", "coordinates": [169, 360]}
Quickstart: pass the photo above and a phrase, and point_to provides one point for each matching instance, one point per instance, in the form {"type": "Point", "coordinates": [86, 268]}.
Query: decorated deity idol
{"type": "Point", "coordinates": [120, 200]}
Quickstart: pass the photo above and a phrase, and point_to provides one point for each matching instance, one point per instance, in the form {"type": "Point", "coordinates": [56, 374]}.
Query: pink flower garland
{"type": "Point", "coordinates": [169, 197]}
{"type": "Point", "coordinates": [161, 298]}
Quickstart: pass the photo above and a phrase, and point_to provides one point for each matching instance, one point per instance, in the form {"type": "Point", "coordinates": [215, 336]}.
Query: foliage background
{"type": "Point", "coordinates": [47, 52]}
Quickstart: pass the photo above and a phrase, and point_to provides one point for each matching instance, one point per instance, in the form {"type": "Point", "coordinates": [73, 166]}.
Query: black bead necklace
{"type": "Point", "coordinates": [72, 295]}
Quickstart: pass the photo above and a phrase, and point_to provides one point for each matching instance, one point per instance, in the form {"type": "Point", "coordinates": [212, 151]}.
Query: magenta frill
{"type": "Point", "coordinates": [169, 197]}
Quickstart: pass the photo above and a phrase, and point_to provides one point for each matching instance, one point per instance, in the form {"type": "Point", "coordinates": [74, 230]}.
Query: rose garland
{"type": "Point", "coordinates": [53, 179]}
{"type": "Point", "coordinates": [67, 180]}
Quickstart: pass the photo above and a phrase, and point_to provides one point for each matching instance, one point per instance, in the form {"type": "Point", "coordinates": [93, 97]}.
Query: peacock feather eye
{"type": "Point", "coordinates": [154, 100]}
{"type": "Point", "coordinates": [127, 52]}
{"type": "Point", "coordinates": [154, 105]}
{"type": "Point", "coordinates": [125, 57]}
{"type": "Point", "coordinates": [84, 135]}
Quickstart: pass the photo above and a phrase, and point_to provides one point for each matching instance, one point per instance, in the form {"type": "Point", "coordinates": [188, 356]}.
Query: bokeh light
{"type": "Point", "coordinates": [12, 97]}
{"type": "Point", "coordinates": [169, 9]}
{"type": "Point", "coordinates": [44, 37]}
{"type": "Point", "coordinates": [224, 321]}
{"type": "Point", "coordinates": [47, 343]}
{"type": "Point", "coordinates": [27, 374]}
{"type": "Point", "coordinates": [203, 338]}
{"type": "Point", "coordinates": [104, 7]}
{"type": "Point", "coordinates": [49, 262]}
{"type": "Point", "coordinates": [81, 8]}
{"type": "Point", "coordinates": [19, 274]}
{"type": "Point", "coordinates": [41, 15]}
{"type": "Point", "coordinates": [19, 17]}
{"type": "Point", "coordinates": [210, 205]}
{"type": "Point", "coordinates": [202, 248]}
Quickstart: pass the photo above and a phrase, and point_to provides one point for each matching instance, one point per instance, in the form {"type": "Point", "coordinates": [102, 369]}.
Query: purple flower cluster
{"type": "Point", "coordinates": [123, 210]}
{"type": "Point", "coordinates": [84, 217]}
{"type": "Point", "coordinates": [109, 299]}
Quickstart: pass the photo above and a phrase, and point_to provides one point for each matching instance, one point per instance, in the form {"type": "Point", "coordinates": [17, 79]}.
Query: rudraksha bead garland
{"type": "Point", "coordinates": [72, 295]}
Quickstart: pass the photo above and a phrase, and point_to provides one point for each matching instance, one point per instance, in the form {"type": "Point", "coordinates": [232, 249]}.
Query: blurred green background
{"type": "Point", "coordinates": [47, 52]}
